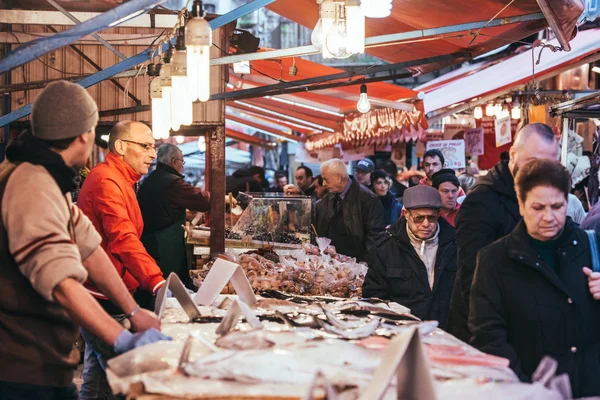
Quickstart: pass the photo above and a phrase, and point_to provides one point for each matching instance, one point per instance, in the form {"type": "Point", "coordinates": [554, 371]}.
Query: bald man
{"type": "Point", "coordinates": [350, 214]}
{"type": "Point", "coordinates": [108, 199]}
{"type": "Point", "coordinates": [490, 212]}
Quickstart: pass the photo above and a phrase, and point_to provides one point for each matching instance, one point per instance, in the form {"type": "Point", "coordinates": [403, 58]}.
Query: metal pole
{"type": "Point", "coordinates": [94, 35]}
{"type": "Point", "coordinates": [216, 160]}
{"type": "Point", "coordinates": [8, 97]}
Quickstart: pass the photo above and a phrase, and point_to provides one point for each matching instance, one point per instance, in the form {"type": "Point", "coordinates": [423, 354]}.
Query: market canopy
{"type": "Point", "coordinates": [411, 15]}
{"type": "Point", "coordinates": [476, 84]}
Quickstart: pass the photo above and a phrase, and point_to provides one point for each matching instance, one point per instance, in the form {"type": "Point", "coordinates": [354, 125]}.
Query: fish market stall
{"type": "Point", "coordinates": [283, 346]}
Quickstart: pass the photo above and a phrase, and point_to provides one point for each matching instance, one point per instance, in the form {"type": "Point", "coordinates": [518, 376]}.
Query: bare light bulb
{"type": "Point", "coordinates": [324, 24]}
{"type": "Point", "coordinates": [355, 19]}
{"type": "Point", "coordinates": [166, 86]}
{"type": "Point", "coordinates": [489, 110]}
{"type": "Point", "coordinates": [181, 103]}
{"type": "Point", "coordinates": [198, 39]}
{"type": "Point", "coordinates": [179, 139]}
{"type": "Point", "coordinates": [498, 110]}
{"type": "Point", "coordinates": [515, 113]}
{"type": "Point", "coordinates": [337, 39]}
{"type": "Point", "coordinates": [363, 105]}
{"type": "Point", "coordinates": [376, 8]}
{"type": "Point", "coordinates": [478, 113]}
{"type": "Point", "coordinates": [159, 125]}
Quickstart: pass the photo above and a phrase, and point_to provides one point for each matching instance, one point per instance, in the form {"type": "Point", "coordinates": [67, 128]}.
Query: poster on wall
{"type": "Point", "coordinates": [453, 151]}
{"type": "Point", "coordinates": [503, 133]}
{"type": "Point", "coordinates": [474, 141]}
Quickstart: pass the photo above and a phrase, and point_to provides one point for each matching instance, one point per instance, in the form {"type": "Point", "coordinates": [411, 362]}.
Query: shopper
{"type": "Point", "coordinates": [49, 248]}
{"type": "Point", "coordinates": [281, 182]}
{"type": "Point", "coordinates": [320, 188]}
{"type": "Point", "coordinates": [304, 183]}
{"type": "Point", "coordinates": [381, 184]}
{"type": "Point", "coordinates": [392, 170]}
{"type": "Point", "coordinates": [490, 212]}
{"type": "Point", "coordinates": [414, 262]}
{"type": "Point", "coordinates": [164, 197]}
{"type": "Point", "coordinates": [446, 182]}
{"type": "Point", "coordinates": [433, 161]}
{"type": "Point", "coordinates": [108, 199]}
{"type": "Point", "coordinates": [364, 169]}
{"type": "Point", "coordinates": [350, 214]}
{"type": "Point", "coordinates": [530, 295]}
{"type": "Point", "coordinates": [259, 176]}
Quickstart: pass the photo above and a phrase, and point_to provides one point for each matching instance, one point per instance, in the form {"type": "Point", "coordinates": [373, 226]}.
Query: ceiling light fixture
{"type": "Point", "coordinates": [363, 104]}
{"type": "Point", "coordinates": [198, 40]}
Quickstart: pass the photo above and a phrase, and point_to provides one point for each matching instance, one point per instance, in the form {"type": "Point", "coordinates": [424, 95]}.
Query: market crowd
{"type": "Point", "coordinates": [499, 260]}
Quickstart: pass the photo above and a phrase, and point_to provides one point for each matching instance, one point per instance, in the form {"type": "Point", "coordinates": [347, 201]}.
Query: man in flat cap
{"type": "Point", "coordinates": [48, 249]}
{"type": "Point", "coordinates": [414, 261]}
{"type": "Point", "coordinates": [446, 182]}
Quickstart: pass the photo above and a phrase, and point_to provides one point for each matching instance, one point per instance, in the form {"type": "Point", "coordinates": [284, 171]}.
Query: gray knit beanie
{"type": "Point", "coordinates": [63, 110]}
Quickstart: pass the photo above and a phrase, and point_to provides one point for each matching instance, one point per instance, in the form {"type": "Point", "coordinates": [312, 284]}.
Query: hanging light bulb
{"type": "Point", "coordinates": [324, 24]}
{"type": "Point", "coordinates": [202, 144]}
{"type": "Point", "coordinates": [355, 19]}
{"type": "Point", "coordinates": [166, 86]}
{"type": "Point", "coordinates": [337, 38]}
{"type": "Point", "coordinates": [376, 8]}
{"type": "Point", "coordinates": [179, 139]}
{"type": "Point", "coordinates": [198, 39]}
{"type": "Point", "coordinates": [515, 113]}
{"type": "Point", "coordinates": [489, 110]}
{"type": "Point", "coordinates": [478, 113]}
{"type": "Point", "coordinates": [363, 105]}
{"type": "Point", "coordinates": [181, 103]}
{"type": "Point", "coordinates": [498, 110]}
{"type": "Point", "coordinates": [158, 117]}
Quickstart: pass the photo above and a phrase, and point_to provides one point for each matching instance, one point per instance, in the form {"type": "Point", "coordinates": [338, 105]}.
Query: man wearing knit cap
{"type": "Point", "coordinates": [414, 261]}
{"type": "Point", "coordinates": [49, 248]}
{"type": "Point", "coordinates": [446, 182]}
{"type": "Point", "coordinates": [108, 198]}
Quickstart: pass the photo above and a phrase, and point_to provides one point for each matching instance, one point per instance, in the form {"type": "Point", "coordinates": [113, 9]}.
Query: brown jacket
{"type": "Point", "coordinates": [43, 240]}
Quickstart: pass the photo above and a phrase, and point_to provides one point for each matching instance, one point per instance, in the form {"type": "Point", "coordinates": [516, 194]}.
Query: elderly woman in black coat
{"type": "Point", "coordinates": [531, 295]}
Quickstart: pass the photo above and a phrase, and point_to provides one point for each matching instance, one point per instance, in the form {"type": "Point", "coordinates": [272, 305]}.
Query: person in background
{"type": "Point", "coordinates": [471, 167]}
{"type": "Point", "coordinates": [280, 183]}
{"type": "Point", "coordinates": [433, 161]}
{"type": "Point", "coordinates": [364, 169]}
{"type": "Point", "coordinates": [242, 181]}
{"type": "Point", "coordinates": [350, 214]}
{"type": "Point", "coordinates": [414, 180]}
{"type": "Point", "coordinates": [49, 248]}
{"type": "Point", "coordinates": [414, 261]}
{"type": "Point", "coordinates": [304, 183]}
{"type": "Point", "coordinates": [320, 189]}
{"type": "Point", "coordinates": [575, 209]}
{"type": "Point", "coordinates": [392, 170]}
{"type": "Point", "coordinates": [109, 200]}
{"type": "Point", "coordinates": [164, 197]}
{"type": "Point", "coordinates": [381, 184]}
{"type": "Point", "coordinates": [258, 174]}
{"type": "Point", "coordinates": [505, 156]}
{"type": "Point", "coordinates": [446, 182]}
{"type": "Point", "coordinates": [490, 212]}
{"type": "Point", "coordinates": [530, 296]}
{"type": "Point", "coordinates": [467, 182]}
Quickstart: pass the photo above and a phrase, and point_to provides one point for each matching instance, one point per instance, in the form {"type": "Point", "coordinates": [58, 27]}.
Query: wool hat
{"type": "Point", "coordinates": [63, 110]}
{"type": "Point", "coordinates": [366, 165]}
{"type": "Point", "coordinates": [444, 175]}
{"type": "Point", "coordinates": [422, 196]}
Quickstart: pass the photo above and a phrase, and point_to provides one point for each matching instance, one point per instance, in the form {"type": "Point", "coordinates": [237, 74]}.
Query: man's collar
{"type": "Point", "coordinates": [126, 171]}
{"type": "Point", "coordinates": [168, 168]}
{"type": "Point", "coordinates": [346, 189]}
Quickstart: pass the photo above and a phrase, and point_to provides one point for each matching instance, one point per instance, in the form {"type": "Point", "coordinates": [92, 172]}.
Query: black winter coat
{"type": "Point", "coordinates": [398, 274]}
{"type": "Point", "coordinates": [488, 213]}
{"type": "Point", "coordinates": [522, 310]}
{"type": "Point", "coordinates": [363, 217]}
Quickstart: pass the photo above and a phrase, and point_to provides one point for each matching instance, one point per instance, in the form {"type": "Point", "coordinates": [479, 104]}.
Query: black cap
{"type": "Point", "coordinates": [444, 175]}
{"type": "Point", "coordinates": [366, 165]}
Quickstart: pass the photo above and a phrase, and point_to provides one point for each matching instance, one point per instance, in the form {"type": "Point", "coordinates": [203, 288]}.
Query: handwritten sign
{"type": "Point", "coordinates": [503, 131]}
{"type": "Point", "coordinates": [474, 141]}
{"type": "Point", "coordinates": [453, 151]}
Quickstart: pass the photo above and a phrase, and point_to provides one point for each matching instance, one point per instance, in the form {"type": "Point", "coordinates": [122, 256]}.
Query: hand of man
{"type": "Point", "coordinates": [128, 341]}
{"type": "Point", "coordinates": [144, 320]}
{"type": "Point", "coordinates": [233, 200]}
{"type": "Point", "coordinates": [593, 281]}
{"type": "Point", "coordinates": [291, 189]}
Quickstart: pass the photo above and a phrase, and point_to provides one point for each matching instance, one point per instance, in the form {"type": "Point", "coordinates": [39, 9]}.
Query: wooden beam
{"type": "Point", "coordinates": [133, 39]}
{"type": "Point", "coordinates": [32, 17]}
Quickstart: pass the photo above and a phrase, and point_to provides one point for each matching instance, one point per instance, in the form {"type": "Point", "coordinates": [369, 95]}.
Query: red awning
{"type": "Point", "coordinates": [478, 83]}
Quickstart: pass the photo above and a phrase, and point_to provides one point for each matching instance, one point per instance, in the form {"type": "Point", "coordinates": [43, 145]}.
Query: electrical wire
{"type": "Point", "coordinates": [490, 20]}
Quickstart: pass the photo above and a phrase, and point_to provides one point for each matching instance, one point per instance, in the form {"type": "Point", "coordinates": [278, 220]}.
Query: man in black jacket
{"type": "Point", "coordinates": [490, 212]}
{"type": "Point", "coordinates": [164, 197]}
{"type": "Point", "coordinates": [414, 262]}
{"type": "Point", "coordinates": [350, 214]}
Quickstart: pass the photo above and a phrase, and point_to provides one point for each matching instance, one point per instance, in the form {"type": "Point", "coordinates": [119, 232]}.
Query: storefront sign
{"type": "Point", "coordinates": [474, 141]}
{"type": "Point", "coordinates": [503, 131]}
{"type": "Point", "coordinates": [453, 150]}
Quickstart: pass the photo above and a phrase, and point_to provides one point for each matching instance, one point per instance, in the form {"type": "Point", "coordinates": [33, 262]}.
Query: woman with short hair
{"type": "Point", "coordinates": [381, 184]}
{"type": "Point", "coordinates": [530, 295]}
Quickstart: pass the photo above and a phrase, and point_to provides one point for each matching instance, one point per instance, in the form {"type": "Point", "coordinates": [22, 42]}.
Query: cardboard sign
{"type": "Point", "coordinates": [179, 291]}
{"type": "Point", "coordinates": [453, 150]}
{"type": "Point", "coordinates": [237, 309]}
{"type": "Point", "coordinates": [474, 141]}
{"type": "Point", "coordinates": [219, 275]}
{"type": "Point", "coordinates": [406, 360]}
{"type": "Point", "coordinates": [503, 131]}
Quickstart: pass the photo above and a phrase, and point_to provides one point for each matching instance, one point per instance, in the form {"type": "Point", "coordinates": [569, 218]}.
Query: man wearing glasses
{"type": "Point", "coordinates": [108, 199]}
{"type": "Point", "coordinates": [414, 261]}
{"type": "Point", "coordinates": [164, 197]}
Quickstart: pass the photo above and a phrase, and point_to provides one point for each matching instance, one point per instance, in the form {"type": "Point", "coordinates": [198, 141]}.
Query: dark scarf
{"type": "Point", "coordinates": [27, 148]}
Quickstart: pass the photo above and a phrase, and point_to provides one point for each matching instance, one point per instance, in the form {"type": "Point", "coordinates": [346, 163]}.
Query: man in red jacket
{"type": "Point", "coordinates": [108, 199]}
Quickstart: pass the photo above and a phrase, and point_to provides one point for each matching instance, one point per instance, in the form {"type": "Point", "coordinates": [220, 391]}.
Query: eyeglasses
{"type": "Point", "coordinates": [419, 219]}
{"type": "Point", "coordinates": [146, 146]}
{"type": "Point", "coordinates": [180, 159]}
